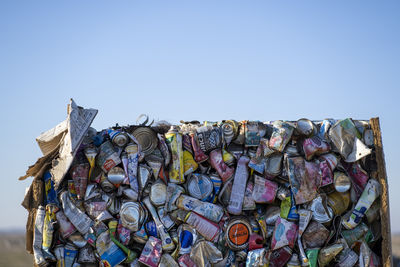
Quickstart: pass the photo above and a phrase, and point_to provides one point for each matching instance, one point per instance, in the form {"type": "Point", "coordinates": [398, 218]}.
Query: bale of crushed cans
{"type": "Point", "coordinates": [229, 193]}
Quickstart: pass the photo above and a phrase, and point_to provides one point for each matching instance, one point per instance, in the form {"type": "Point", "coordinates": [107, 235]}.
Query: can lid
{"type": "Point", "coordinates": [321, 213]}
{"type": "Point", "coordinates": [158, 193]}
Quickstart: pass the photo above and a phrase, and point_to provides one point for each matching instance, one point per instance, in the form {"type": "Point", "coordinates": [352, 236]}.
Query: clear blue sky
{"type": "Point", "coordinates": [205, 60]}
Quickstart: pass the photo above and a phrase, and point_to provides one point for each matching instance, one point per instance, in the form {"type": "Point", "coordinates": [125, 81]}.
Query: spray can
{"type": "Point", "coordinates": [174, 141]}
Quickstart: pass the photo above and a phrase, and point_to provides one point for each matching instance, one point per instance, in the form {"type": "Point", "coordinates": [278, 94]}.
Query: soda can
{"type": "Point", "coordinates": [281, 134]}
{"type": "Point", "coordinates": [279, 257]}
{"type": "Point", "coordinates": [370, 193]}
{"type": "Point", "coordinates": [70, 254]}
{"type": "Point", "coordinates": [273, 164]}
{"type": "Point", "coordinates": [238, 233]}
{"type": "Point", "coordinates": [151, 228]}
{"type": "Point", "coordinates": [256, 257]}
{"type": "Point", "coordinates": [130, 215]}
{"type": "Point", "coordinates": [239, 186]}
{"type": "Point", "coordinates": [158, 193]}
{"type": "Point", "coordinates": [116, 175]}
{"type": "Point", "coordinates": [342, 182]}
{"type": "Point", "coordinates": [79, 174]}
{"type": "Point", "coordinates": [200, 186]}
{"type": "Point", "coordinates": [314, 146]}
{"type": "Point", "coordinates": [217, 162]}
{"type": "Point", "coordinates": [321, 211]}
{"type": "Point", "coordinates": [165, 218]}
{"type": "Point", "coordinates": [264, 190]}
{"type": "Point", "coordinates": [294, 261]}
{"type": "Point", "coordinates": [199, 155]}
{"type": "Point", "coordinates": [210, 211]}
{"type": "Point", "coordinates": [107, 157]}
{"type": "Point", "coordinates": [312, 255]}
{"type": "Point", "coordinates": [254, 131]}
{"type": "Point", "coordinates": [285, 234]}
{"type": "Point", "coordinates": [117, 137]}
{"type": "Point", "coordinates": [208, 229]}
{"type": "Point", "coordinates": [339, 202]}
{"type": "Point", "coordinates": [327, 254]}
{"type": "Point", "coordinates": [304, 219]}
{"type": "Point", "coordinates": [209, 138]}
{"type": "Point", "coordinates": [315, 235]}
{"type": "Point", "coordinates": [174, 140]}
{"type": "Point", "coordinates": [229, 131]}
{"type": "Point", "coordinates": [348, 258]}
{"type": "Point", "coordinates": [305, 127]}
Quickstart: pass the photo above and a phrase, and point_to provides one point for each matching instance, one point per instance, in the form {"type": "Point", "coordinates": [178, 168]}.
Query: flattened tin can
{"type": "Point", "coordinates": [209, 138]}
{"type": "Point", "coordinates": [107, 157]}
{"type": "Point", "coordinates": [130, 215]}
{"type": "Point", "coordinates": [158, 193]}
{"type": "Point", "coordinates": [199, 186]}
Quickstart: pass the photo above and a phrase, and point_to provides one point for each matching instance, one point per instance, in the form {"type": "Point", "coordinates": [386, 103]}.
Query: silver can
{"type": "Point", "coordinates": [147, 139]}
{"type": "Point", "coordinates": [199, 186]}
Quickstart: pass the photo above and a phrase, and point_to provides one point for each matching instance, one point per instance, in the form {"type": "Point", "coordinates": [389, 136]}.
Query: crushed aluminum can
{"type": "Point", "coordinates": [174, 141]}
{"type": "Point", "coordinates": [130, 194]}
{"type": "Point", "coordinates": [117, 137]}
{"type": "Point", "coordinates": [315, 146]}
{"type": "Point", "coordinates": [327, 254]}
{"type": "Point", "coordinates": [79, 174]}
{"type": "Point", "coordinates": [209, 138]}
{"type": "Point", "coordinates": [79, 219]}
{"type": "Point", "coordinates": [205, 253]}
{"type": "Point", "coordinates": [321, 211]}
{"type": "Point", "coordinates": [133, 153]}
{"type": "Point", "coordinates": [130, 215]}
{"type": "Point", "coordinates": [353, 235]}
{"type": "Point", "coordinates": [229, 131]}
{"type": "Point", "coordinates": [370, 193]}
{"type": "Point", "coordinates": [294, 261]}
{"type": "Point", "coordinates": [70, 254]}
{"type": "Point", "coordinates": [256, 257]}
{"type": "Point", "coordinates": [210, 211]}
{"type": "Point", "coordinates": [264, 190]}
{"type": "Point", "coordinates": [253, 132]}
{"type": "Point", "coordinates": [248, 201]}
{"type": "Point", "coordinates": [304, 219]}
{"type": "Point", "coordinates": [339, 202]}
{"type": "Point", "coordinates": [189, 164]}
{"type": "Point", "coordinates": [282, 193]}
{"type": "Point", "coordinates": [273, 164]}
{"type": "Point", "coordinates": [285, 234]}
{"type": "Point", "coordinates": [238, 233]}
{"type": "Point", "coordinates": [200, 186]}
{"type": "Point", "coordinates": [239, 186]}
{"type": "Point", "coordinates": [116, 175]}
{"type": "Point", "coordinates": [146, 138]}
{"type": "Point", "coordinates": [346, 138]}
{"type": "Point", "coordinates": [110, 254]}
{"type": "Point", "coordinates": [143, 176]}
{"type": "Point", "coordinates": [38, 237]}
{"type": "Point", "coordinates": [303, 179]}
{"type": "Point", "coordinates": [279, 257]}
{"type": "Point", "coordinates": [312, 255]}
{"type": "Point", "coordinates": [107, 157]}
{"type": "Point", "coordinates": [187, 238]}
{"type": "Point", "coordinates": [281, 134]}
{"type": "Point", "coordinates": [305, 127]}
{"type": "Point", "coordinates": [348, 258]}
{"type": "Point", "coordinates": [315, 235]}
{"type": "Point", "coordinates": [342, 182]}
{"type": "Point", "coordinates": [66, 228]}
{"type": "Point", "coordinates": [208, 229]}
{"type": "Point", "coordinates": [217, 162]}
{"type": "Point", "coordinates": [158, 193]}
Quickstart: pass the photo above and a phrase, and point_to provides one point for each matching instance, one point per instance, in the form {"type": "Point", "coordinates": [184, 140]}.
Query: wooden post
{"type": "Point", "coordinates": [382, 178]}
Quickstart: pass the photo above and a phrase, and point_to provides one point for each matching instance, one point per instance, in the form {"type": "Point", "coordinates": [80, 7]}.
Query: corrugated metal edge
{"type": "Point", "coordinates": [384, 211]}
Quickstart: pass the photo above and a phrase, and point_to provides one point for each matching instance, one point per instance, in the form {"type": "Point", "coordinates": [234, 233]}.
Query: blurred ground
{"type": "Point", "coordinates": [13, 254]}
